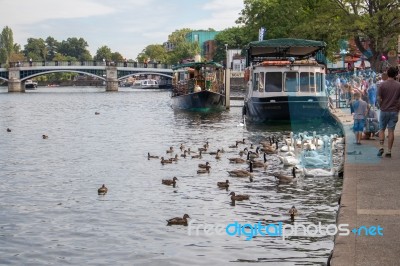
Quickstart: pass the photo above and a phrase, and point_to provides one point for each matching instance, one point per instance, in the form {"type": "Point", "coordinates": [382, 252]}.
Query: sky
{"type": "Point", "coordinates": [125, 26]}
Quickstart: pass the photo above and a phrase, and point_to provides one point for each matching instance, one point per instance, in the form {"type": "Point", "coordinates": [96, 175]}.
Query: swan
{"type": "Point", "coordinates": [319, 172]}
{"type": "Point", "coordinates": [289, 160]}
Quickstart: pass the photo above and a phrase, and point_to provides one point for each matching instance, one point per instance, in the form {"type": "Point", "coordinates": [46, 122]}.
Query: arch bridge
{"type": "Point", "coordinates": [16, 73]}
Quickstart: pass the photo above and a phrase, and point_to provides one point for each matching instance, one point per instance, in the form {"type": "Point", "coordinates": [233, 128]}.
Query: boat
{"type": "Point", "coordinates": [30, 84]}
{"type": "Point", "coordinates": [285, 81]}
{"type": "Point", "coordinates": [146, 84]}
{"type": "Point", "coordinates": [198, 86]}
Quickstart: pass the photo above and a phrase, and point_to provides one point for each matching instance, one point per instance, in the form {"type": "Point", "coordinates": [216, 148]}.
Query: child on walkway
{"type": "Point", "coordinates": [371, 123]}
{"type": "Point", "coordinates": [359, 112]}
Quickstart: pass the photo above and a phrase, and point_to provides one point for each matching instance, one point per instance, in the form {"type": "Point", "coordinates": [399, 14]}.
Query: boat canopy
{"type": "Point", "coordinates": [283, 48]}
{"type": "Point", "coordinates": [197, 65]}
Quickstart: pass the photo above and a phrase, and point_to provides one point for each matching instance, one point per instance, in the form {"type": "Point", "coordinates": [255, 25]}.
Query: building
{"type": "Point", "coordinates": [202, 36]}
{"type": "Point", "coordinates": [210, 48]}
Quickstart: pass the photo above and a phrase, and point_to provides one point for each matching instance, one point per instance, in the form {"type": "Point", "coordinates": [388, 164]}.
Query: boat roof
{"type": "Point", "coordinates": [197, 65]}
{"type": "Point", "coordinates": [283, 48]}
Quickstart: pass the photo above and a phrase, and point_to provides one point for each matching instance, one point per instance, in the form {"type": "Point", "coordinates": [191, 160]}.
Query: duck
{"type": "Point", "coordinates": [102, 190]}
{"type": "Point", "coordinates": [237, 160]}
{"type": "Point", "coordinates": [182, 147]}
{"type": "Point", "coordinates": [218, 156]}
{"type": "Point", "coordinates": [243, 152]}
{"type": "Point", "coordinates": [286, 178]}
{"type": "Point", "coordinates": [234, 146]}
{"type": "Point", "coordinates": [178, 220]}
{"type": "Point", "coordinates": [235, 197]}
{"type": "Point", "coordinates": [203, 171]}
{"type": "Point", "coordinates": [206, 165]}
{"type": "Point", "coordinates": [169, 182]}
{"type": "Point", "coordinates": [241, 141]}
{"type": "Point", "coordinates": [214, 152]}
{"type": "Point", "coordinates": [293, 212]}
{"type": "Point", "coordinates": [184, 154]}
{"type": "Point", "coordinates": [174, 159]}
{"type": "Point", "coordinates": [223, 184]}
{"type": "Point", "coordinates": [151, 156]}
{"type": "Point", "coordinates": [96, 113]}
{"type": "Point", "coordinates": [204, 148]}
{"type": "Point", "coordinates": [171, 150]}
{"type": "Point", "coordinates": [164, 161]}
{"type": "Point", "coordinates": [45, 136]}
{"type": "Point", "coordinates": [197, 156]}
{"type": "Point", "coordinates": [260, 164]}
{"type": "Point", "coordinates": [270, 149]}
{"type": "Point", "coordinates": [253, 155]}
{"type": "Point", "coordinates": [8, 130]}
{"type": "Point", "coordinates": [240, 173]}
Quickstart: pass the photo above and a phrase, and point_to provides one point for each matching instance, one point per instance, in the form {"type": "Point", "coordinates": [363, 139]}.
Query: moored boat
{"type": "Point", "coordinates": [286, 81]}
{"type": "Point", "coordinates": [146, 84]}
{"type": "Point", "coordinates": [198, 86]}
{"type": "Point", "coordinates": [30, 84]}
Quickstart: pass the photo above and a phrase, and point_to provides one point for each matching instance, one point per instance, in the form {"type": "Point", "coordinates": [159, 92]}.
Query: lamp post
{"type": "Point", "coordinates": [227, 80]}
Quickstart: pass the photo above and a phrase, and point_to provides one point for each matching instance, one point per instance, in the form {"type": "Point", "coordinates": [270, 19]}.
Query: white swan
{"type": "Point", "coordinates": [318, 172]}
{"type": "Point", "coordinates": [289, 160]}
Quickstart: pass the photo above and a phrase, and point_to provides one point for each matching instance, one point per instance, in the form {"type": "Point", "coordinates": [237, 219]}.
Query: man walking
{"type": "Point", "coordinates": [389, 101]}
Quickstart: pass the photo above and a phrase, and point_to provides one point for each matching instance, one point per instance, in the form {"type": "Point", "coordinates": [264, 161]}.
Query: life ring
{"type": "Point", "coordinates": [247, 74]}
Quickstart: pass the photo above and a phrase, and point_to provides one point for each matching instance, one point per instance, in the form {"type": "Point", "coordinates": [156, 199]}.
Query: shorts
{"type": "Point", "coordinates": [358, 125]}
{"type": "Point", "coordinates": [388, 120]}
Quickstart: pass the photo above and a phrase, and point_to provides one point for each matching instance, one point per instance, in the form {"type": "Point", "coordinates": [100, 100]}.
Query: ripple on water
{"type": "Point", "coordinates": [51, 213]}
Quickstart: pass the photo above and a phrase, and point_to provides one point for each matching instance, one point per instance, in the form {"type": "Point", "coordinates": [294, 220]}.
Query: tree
{"type": "Point", "coordinates": [117, 57]}
{"type": "Point", "coordinates": [36, 49]}
{"type": "Point", "coordinates": [153, 52]}
{"type": "Point", "coordinates": [52, 47]}
{"type": "Point", "coordinates": [6, 44]}
{"type": "Point", "coordinates": [103, 52]}
{"type": "Point", "coordinates": [76, 48]}
{"type": "Point", "coordinates": [235, 37]}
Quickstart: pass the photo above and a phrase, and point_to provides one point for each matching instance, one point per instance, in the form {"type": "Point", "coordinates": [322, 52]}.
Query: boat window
{"type": "Point", "coordinates": [304, 81]}
{"type": "Point", "coordinates": [261, 82]}
{"type": "Point", "coordinates": [273, 81]}
{"type": "Point", "coordinates": [291, 81]}
{"type": "Point", "coordinates": [319, 82]}
{"type": "Point", "coordinates": [255, 81]}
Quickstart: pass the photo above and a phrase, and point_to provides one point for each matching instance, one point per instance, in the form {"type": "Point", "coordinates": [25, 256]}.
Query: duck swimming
{"type": "Point", "coordinates": [45, 136]}
{"type": "Point", "coordinates": [293, 212]}
{"type": "Point", "coordinates": [151, 156]}
{"type": "Point", "coordinates": [235, 197]}
{"type": "Point", "coordinates": [96, 113]}
{"type": "Point", "coordinates": [243, 152]}
{"type": "Point", "coordinates": [286, 178]}
{"type": "Point", "coordinates": [8, 130]}
{"type": "Point", "coordinates": [223, 184]}
{"type": "Point", "coordinates": [237, 160]}
{"type": "Point", "coordinates": [164, 161]}
{"type": "Point", "coordinates": [178, 220]}
{"type": "Point", "coordinates": [169, 182]}
{"type": "Point", "coordinates": [204, 171]}
{"type": "Point", "coordinates": [241, 141]}
{"type": "Point", "coordinates": [260, 164]}
{"type": "Point", "coordinates": [197, 156]}
{"type": "Point", "coordinates": [206, 165]}
{"type": "Point", "coordinates": [102, 190]}
{"type": "Point", "coordinates": [234, 146]}
{"type": "Point", "coordinates": [171, 150]}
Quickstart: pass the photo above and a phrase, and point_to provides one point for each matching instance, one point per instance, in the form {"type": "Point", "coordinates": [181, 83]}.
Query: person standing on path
{"type": "Point", "coordinates": [389, 102]}
{"type": "Point", "coordinates": [360, 109]}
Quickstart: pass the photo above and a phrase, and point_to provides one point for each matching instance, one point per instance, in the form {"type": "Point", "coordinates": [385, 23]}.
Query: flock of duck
{"type": "Point", "coordinates": [43, 136]}
{"type": "Point", "coordinates": [305, 155]}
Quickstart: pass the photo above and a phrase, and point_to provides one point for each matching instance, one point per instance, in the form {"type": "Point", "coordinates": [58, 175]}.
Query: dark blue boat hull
{"type": "Point", "coordinates": [199, 101]}
{"type": "Point", "coordinates": [285, 108]}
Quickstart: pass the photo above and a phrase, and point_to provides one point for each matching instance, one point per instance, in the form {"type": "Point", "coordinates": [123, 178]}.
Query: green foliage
{"type": "Point", "coordinates": [103, 52]}
{"type": "Point", "coordinates": [235, 38]}
{"type": "Point", "coordinates": [117, 57]}
{"type": "Point", "coordinates": [36, 49]}
{"type": "Point", "coordinates": [51, 47]}
{"type": "Point", "coordinates": [6, 44]}
{"type": "Point", "coordinates": [76, 48]}
{"type": "Point", "coordinates": [153, 52]}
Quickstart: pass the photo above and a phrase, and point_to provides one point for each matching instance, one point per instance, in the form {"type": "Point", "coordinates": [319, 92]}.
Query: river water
{"type": "Point", "coordinates": [50, 212]}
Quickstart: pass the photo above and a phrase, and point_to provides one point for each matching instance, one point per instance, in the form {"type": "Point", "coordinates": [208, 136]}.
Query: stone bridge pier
{"type": "Point", "coordinates": [14, 82]}
{"type": "Point", "coordinates": [111, 78]}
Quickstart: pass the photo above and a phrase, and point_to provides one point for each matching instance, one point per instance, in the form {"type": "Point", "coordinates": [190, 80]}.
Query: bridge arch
{"type": "Point", "coordinates": [144, 73]}
{"type": "Point", "coordinates": [61, 70]}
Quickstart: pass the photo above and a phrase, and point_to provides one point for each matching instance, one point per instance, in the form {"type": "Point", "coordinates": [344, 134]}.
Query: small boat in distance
{"type": "Point", "coordinates": [198, 86]}
{"type": "Point", "coordinates": [286, 81]}
{"type": "Point", "coordinates": [30, 84]}
{"type": "Point", "coordinates": [145, 84]}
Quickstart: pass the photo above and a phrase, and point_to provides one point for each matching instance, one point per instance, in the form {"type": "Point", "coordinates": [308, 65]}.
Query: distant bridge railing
{"type": "Point", "coordinates": [84, 63]}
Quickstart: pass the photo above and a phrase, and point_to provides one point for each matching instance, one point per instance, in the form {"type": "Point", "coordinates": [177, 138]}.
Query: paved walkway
{"type": "Point", "coordinates": [370, 197]}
